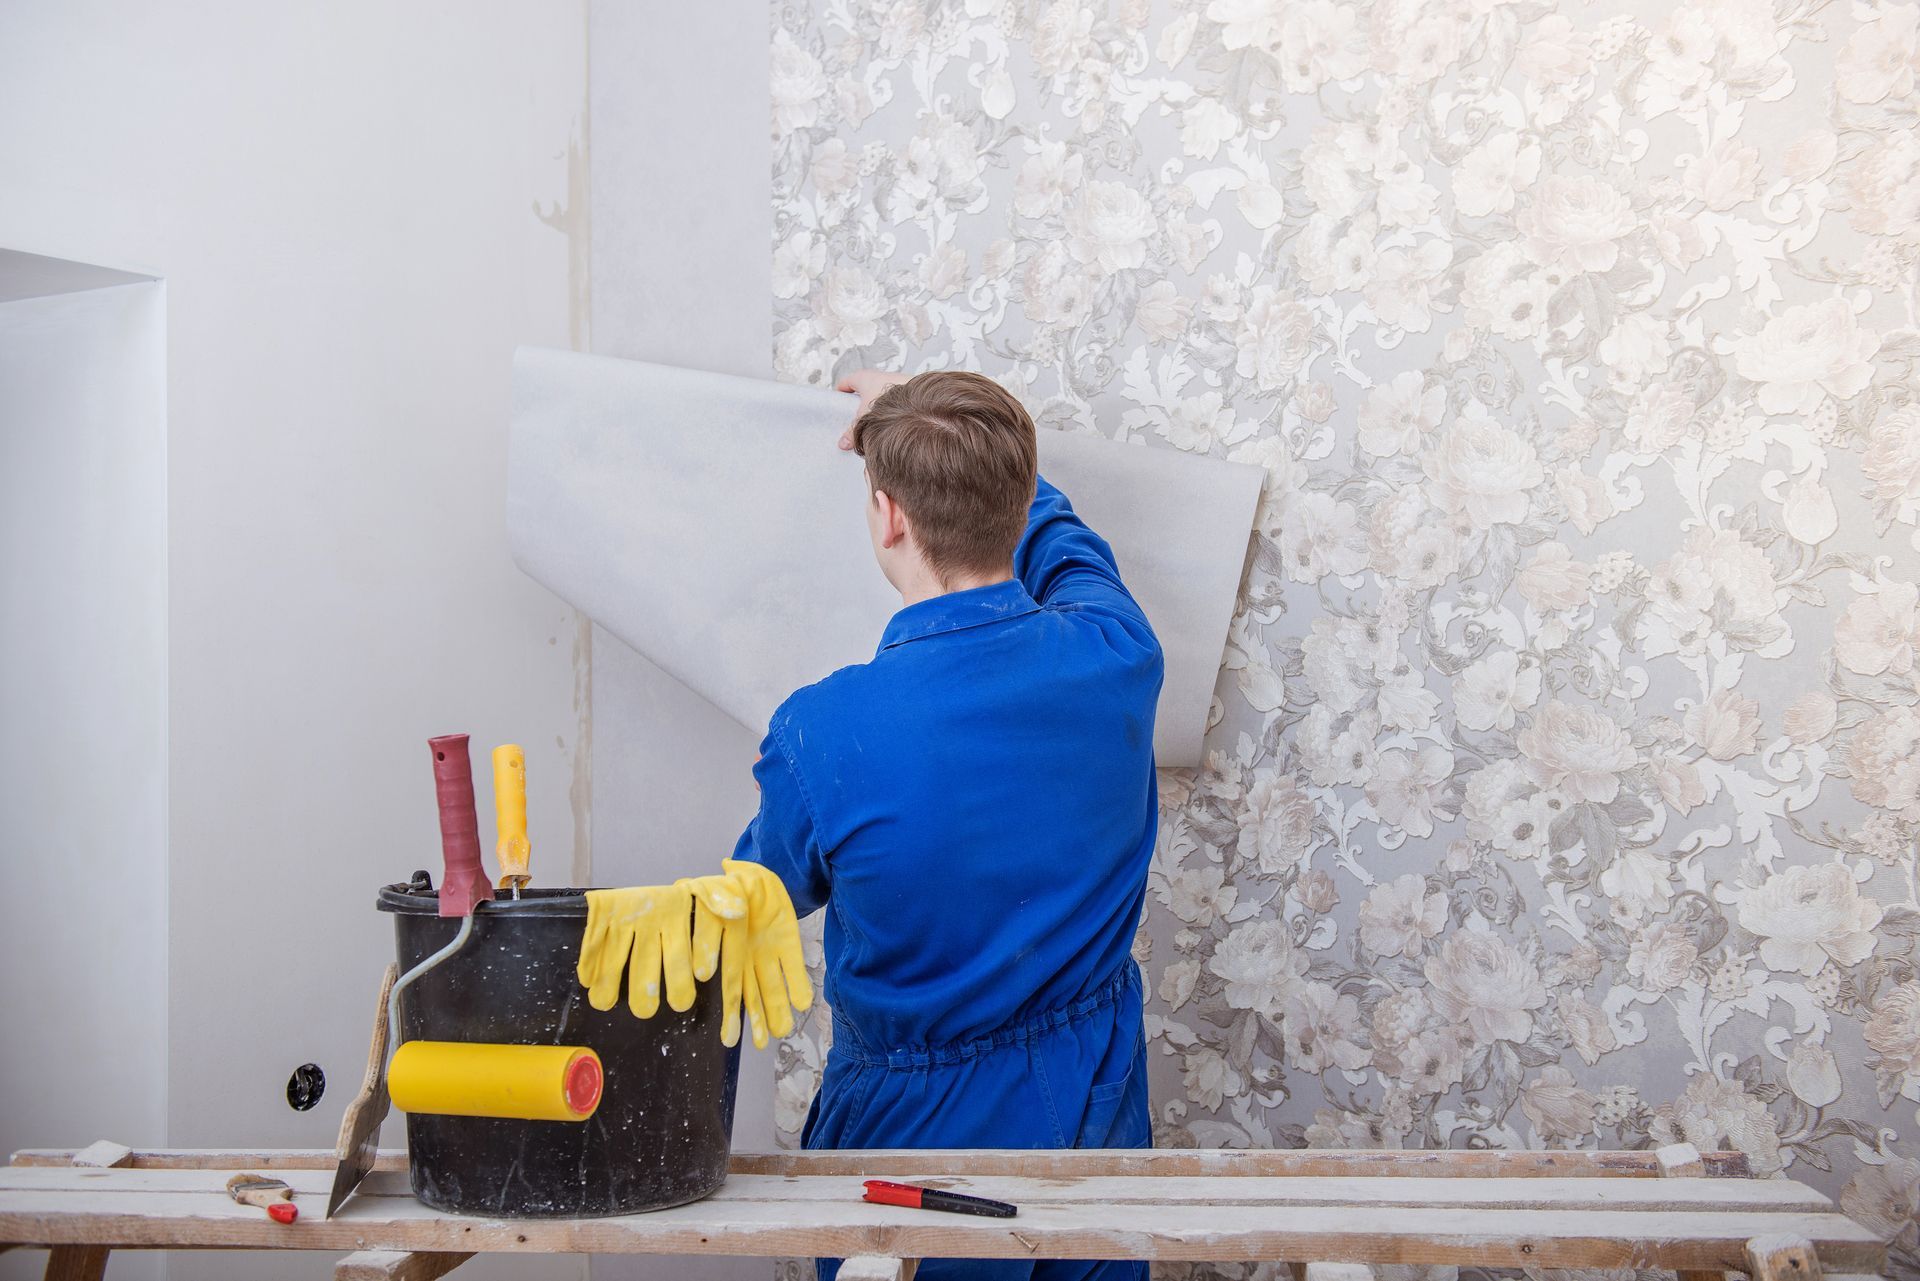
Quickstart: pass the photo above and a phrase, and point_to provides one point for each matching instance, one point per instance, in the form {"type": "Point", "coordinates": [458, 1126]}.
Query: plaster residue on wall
{"type": "Point", "coordinates": [1566, 779]}
{"type": "Point", "coordinates": [580, 787]}
{"type": "Point", "coordinates": [574, 220]}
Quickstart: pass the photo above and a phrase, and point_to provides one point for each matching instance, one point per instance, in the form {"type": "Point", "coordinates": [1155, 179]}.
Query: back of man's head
{"type": "Point", "coordinates": [957, 452]}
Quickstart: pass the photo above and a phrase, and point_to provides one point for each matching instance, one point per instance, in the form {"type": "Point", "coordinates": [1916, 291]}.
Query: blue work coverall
{"type": "Point", "coordinates": [975, 810]}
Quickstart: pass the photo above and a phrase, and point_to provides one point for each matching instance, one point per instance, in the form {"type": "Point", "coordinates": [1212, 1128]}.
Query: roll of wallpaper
{"type": "Point", "coordinates": [517, 1082]}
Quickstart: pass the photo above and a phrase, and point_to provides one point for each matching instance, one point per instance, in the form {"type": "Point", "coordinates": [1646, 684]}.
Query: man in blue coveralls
{"type": "Point", "coordinates": [974, 808]}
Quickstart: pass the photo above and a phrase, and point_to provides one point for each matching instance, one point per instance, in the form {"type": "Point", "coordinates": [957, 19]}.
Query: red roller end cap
{"type": "Point", "coordinates": [283, 1212]}
{"type": "Point", "coordinates": [583, 1084]}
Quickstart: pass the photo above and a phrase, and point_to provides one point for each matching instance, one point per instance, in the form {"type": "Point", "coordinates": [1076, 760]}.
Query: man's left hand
{"type": "Point", "coordinates": [867, 384]}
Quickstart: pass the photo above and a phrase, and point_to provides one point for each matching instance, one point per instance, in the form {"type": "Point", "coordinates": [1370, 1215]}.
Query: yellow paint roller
{"type": "Point", "coordinates": [518, 1082]}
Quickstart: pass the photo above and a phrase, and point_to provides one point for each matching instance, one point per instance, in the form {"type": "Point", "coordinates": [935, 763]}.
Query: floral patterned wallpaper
{"type": "Point", "coordinates": [1565, 778]}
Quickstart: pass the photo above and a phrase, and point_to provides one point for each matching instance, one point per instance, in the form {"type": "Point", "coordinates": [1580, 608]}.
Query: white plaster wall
{"type": "Point", "coordinates": [345, 201]}
{"type": "Point", "coordinates": [83, 768]}
{"type": "Point", "coordinates": [682, 212]}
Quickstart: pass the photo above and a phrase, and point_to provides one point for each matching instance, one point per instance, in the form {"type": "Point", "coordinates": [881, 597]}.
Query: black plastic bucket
{"type": "Point", "coordinates": [662, 1133]}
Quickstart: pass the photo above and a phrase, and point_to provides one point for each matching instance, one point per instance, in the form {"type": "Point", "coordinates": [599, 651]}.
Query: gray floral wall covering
{"type": "Point", "coordinates": [1566, 776]}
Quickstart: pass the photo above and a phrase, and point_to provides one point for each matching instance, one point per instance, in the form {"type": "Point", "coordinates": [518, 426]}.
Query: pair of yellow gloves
{"type": "Point", "coordinates": [739, 924]}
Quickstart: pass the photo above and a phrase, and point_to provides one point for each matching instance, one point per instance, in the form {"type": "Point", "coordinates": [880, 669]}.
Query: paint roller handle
{"type": "Point", "coordinates": [465, 881]}
{"type": "Point", "coordinates": [512, 852]}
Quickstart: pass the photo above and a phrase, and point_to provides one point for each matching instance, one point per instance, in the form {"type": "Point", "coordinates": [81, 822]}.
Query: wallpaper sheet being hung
{"type": "Point", "coordinates": [710, 522]}
{"type": "Point", "coordinates": [1567, 783]}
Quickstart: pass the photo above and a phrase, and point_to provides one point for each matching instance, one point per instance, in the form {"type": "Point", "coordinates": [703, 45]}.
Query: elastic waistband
{"type": "Point", "coordinates": [848, 1045]}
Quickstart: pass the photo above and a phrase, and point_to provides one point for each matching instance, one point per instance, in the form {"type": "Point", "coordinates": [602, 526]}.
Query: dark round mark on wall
{"type": "Point", "coordinates": [305, 1086]}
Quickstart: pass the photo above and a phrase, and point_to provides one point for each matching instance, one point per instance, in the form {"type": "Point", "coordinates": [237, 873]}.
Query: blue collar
{"type": "Point", "coordinates": [956, 611]}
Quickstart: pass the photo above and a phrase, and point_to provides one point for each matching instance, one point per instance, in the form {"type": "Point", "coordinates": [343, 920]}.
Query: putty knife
{"type": "Point", "coordinates": [360, 1128]}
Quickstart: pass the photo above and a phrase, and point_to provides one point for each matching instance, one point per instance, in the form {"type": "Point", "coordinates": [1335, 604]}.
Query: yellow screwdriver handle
{"type": "Point", "coordinates": [513, 852]}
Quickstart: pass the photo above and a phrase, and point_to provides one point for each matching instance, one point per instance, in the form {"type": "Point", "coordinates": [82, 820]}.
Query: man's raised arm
{"type": "Point", "coordinates": [1060, 561]}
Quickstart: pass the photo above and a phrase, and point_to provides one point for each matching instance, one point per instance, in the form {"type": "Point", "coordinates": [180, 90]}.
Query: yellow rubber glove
{"type": "Point", "coordinates": [775, 981]}
{"type": "Point", "coordinates": [720, 929]}
{"type": "Point", "coordinates": [643, 932]}
{"type": "Point", "coordinates": [760, 962]}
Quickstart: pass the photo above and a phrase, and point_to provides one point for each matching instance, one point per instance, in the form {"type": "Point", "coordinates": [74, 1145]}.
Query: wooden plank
{"type": "Point", "coordinates": [1347, 1234]}
{"type": "Point", "coordinates": [76, 1263]}
{"type": "Point", "coordinates": [396, 1265]}
{"type": "Point", "coordinates": [1491, 1193]}
{"type": "Point", "coordinates": [1293, 1190]}
{"type": "Point", "coordinates": [1782, 1256]}
{"type": "Point", "coordinates": [888, 1163]}
{"type": "Point", "coordinates": [892, 1163]}
{"type": "Point", "coordinates": [873, 1267]}
{"type": "Point", "coordinates": [135, 1181]}
{"type": "Point", "coordinates": [275, 1159]}
{"type": "Point", "coordinates": [104, 1154]}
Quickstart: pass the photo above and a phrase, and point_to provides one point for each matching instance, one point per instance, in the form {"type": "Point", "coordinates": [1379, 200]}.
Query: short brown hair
{"type": "Point", "coordinates": [958, 453]}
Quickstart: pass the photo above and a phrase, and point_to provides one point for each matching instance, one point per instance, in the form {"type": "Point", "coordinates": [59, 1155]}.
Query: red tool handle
{"type": "Point", "coordinates": [465, 882]}
{"type": "Point", "coordinates": [885, 1192]}
{"type": "Point", "coordinates": [914, 1197]}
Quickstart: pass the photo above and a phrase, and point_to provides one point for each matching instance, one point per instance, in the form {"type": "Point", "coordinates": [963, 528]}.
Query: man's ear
{"type": "Point", "coordinates": [893, 521]}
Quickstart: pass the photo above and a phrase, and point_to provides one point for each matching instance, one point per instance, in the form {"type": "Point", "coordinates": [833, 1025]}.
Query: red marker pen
{"type": "Point", "coordinates": [881, 1192]}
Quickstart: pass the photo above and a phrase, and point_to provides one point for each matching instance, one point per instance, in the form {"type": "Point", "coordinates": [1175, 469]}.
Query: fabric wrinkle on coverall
{"type": "Point", "coordinates": [975, 810]}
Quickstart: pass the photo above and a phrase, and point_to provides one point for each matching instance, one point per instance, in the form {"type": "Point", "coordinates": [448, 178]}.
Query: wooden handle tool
{"type": "Point", "coordinates": [271, 1195]}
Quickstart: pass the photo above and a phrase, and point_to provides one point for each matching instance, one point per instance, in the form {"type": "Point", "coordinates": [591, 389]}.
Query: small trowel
{"type": "Point", "coordinates": [360, 1128]}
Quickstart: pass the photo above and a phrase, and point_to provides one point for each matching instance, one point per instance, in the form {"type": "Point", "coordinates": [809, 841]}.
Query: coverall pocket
{"type": "Point", "coordinates": [1117, 1115]}
{"type": "Point", "coordinates": [1102, 1102]}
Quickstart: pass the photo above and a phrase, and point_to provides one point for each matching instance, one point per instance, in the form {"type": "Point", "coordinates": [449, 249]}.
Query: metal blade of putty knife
{"type": "Point", "coordinates": [360, 1127]}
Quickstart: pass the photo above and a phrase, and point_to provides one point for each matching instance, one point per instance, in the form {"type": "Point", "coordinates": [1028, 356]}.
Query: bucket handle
{"type": "Point", "coordinates": [460, 938]}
